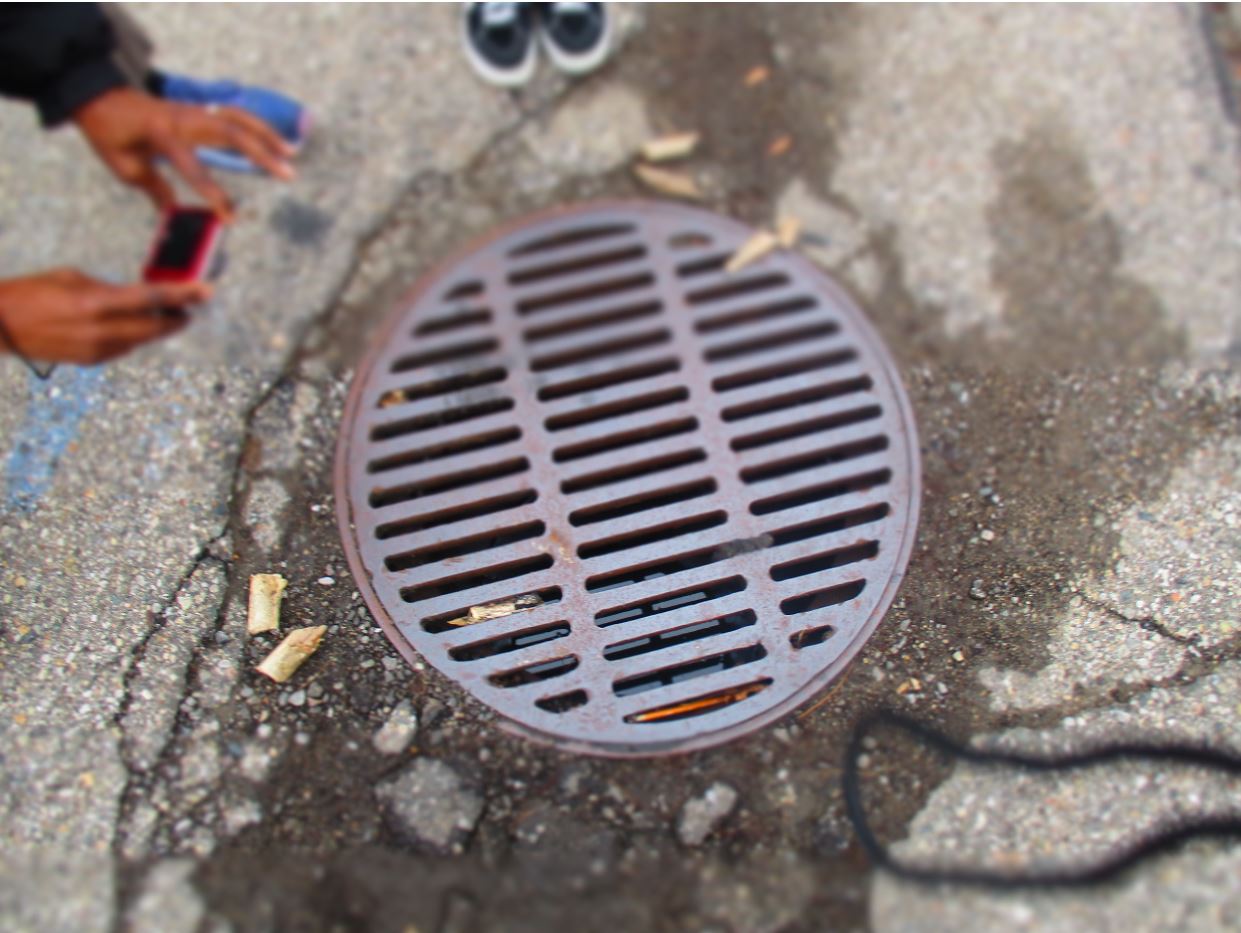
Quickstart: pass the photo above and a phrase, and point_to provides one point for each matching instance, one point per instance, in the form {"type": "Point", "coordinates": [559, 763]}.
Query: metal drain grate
{"type": "Point", "coordinates": [632, 502]}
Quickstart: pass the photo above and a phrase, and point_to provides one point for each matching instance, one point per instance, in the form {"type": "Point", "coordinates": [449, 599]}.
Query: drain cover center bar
{"type": "Point", "coordinates": [634, 503]}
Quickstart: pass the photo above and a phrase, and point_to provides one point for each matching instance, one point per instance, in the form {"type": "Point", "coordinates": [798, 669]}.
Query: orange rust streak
{"type": "Point", "coordinates": [690, 706]}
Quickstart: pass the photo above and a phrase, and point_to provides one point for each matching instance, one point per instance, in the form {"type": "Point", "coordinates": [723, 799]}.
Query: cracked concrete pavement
{"type": "Point", "coordinates": [1040, 209]}
{"type": "Point", "coordinates": [146, 480]}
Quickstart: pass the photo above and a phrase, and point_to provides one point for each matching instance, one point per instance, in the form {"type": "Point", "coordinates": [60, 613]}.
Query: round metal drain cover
{"type": "Point", "coordinates": [633, 502]}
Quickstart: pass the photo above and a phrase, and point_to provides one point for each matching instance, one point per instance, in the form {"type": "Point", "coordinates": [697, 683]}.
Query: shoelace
{"type": "Point", "coordinates": [1166, 839]}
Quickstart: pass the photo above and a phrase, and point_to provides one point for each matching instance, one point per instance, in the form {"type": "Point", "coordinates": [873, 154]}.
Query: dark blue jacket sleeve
{"type": "Point", "coordinates": [56, 56]}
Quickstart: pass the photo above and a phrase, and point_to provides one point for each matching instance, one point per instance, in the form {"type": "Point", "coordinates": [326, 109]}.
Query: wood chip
{"type": "Point", "coordinates": [673, 146]}
{"type": "Point", "coordinates": [291, 653]}
{"type": "Point", "coordinates": [395, 397]}
{"type": "Point", "coordinates": [757, 75]}
{"type": "Point", "coordinates": [266, 594]}
{"type": "Point", "coordinates": [752, 250]}
{"type": "Point", "coordinates": [675, 184]}
{"type": "Point", "coordinates": [498, 609]}
{"type": "Point", "coordinates": [780, 145]}
{"type": "Point", "coordinates": [788, 230]}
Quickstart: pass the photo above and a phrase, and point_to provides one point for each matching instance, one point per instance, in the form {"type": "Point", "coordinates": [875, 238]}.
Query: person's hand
{"type": "Point", "coordinates": [130, 129]}
{"type": "Point", "coordinates": [65, 316]}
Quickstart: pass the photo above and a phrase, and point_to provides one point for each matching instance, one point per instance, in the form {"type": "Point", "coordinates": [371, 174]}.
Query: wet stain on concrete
{"type": "Point", "coordinates": [1058, 257]}
{"type": "Point", "coordinates": [300, 223]}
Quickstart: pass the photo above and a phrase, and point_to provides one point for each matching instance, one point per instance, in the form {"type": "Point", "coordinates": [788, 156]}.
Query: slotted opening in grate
{"type": "Point", "coordinates": [666, 602]}
{"type": "Point", "coordinates": [476, 509]}
{"type": "Point", "coordinates": [458, 320]}
{"type": "Point", "coordinates": [439, 419]}
{"type": "Point", "coordinates": [634, 502]}
{"type": "Point", "coordinates": [613, 443]}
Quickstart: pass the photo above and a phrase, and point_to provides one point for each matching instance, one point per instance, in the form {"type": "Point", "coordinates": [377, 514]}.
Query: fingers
{"type": "Point", "coordinates": [197, 177]}
{"type": "Point", "coordinates": [149, 179]}
{"type": "Point", "coordinates": [260, 129]}
{"type": "Point", "coordinates": [129, 334]}
{"type": "Point", "coordinates": [181, 294]}
{"type": "Point", "coordinates": [257, 149]}
{"type": "Point", "coordinates": [127, 316]}
{"type": "Point", "coordinates": [138, 170]}
{"type": "Point", "coordinates": [146, 300]}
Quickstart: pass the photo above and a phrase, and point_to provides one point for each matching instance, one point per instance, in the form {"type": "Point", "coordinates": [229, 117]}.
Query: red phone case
{"type": "Point", "coordinates": [199, 264]}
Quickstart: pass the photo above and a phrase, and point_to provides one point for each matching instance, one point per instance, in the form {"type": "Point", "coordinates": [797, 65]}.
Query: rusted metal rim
{"type": "Point", "coordinates": [633, 502]}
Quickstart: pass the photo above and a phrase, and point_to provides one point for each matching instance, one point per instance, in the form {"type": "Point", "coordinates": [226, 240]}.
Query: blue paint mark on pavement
{"type": "Point", "coordinates": [53, 416]}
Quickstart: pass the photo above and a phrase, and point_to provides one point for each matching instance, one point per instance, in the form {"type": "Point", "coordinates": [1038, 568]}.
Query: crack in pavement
{"type": "Point", "coordinates": [1198, 664]}
{"type": "Point", "coordinates": [156, 621]}
{"type": "Point", "coordinates": [135, 771]}
{"type": "Point", "coordinates": [1146, 623]}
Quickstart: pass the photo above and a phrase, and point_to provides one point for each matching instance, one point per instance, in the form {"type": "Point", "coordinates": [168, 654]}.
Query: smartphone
{"type": "Point", "coordinates": [187, 248]}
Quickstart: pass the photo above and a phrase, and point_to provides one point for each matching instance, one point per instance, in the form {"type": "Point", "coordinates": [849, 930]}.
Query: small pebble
{"type": "Point", "coordinates": [297, 698]}
{"type": "Point", "coordinates": [397, 731]}
{"type": "Point", "coordinates": [327, 581]}
{"type": "Point", "coordinates": [315, 691]}
{"type": "Point", "coordinates": [987, 534]}
{"type": "Point", "coordinates": [701, 816]}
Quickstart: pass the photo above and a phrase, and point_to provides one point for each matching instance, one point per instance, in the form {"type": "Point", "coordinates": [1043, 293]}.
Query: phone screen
{"type": "Point", "coordinates": [182, 239]}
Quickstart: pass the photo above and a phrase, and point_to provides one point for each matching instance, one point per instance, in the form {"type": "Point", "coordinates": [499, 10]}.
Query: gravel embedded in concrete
{"type": "Point", "coordinates": [429, 802]}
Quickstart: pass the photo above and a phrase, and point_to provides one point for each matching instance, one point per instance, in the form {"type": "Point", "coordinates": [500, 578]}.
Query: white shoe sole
{"type": "Point", "coordinates": [500, 77]}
